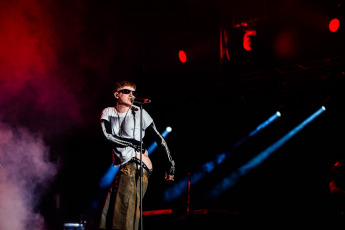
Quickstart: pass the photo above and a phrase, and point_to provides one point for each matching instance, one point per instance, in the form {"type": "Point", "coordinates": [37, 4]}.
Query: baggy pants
{"type": "Point", "coordinates": [121, 210]}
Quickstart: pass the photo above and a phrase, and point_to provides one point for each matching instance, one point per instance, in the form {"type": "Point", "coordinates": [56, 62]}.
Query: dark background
{"type": "Point", "coordinates": [209, 102]}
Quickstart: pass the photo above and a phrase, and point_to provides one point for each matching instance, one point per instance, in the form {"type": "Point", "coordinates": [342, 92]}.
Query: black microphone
{"type": "Point", "coordinates": [140, 101]}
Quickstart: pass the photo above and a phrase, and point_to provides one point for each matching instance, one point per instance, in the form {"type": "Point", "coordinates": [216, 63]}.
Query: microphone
{"type": "Point", "coordinates": [140, 101]}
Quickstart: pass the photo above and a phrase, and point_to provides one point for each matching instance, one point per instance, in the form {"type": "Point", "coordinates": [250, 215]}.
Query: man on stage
{"type": "Point", "coordinates": [121, 127]}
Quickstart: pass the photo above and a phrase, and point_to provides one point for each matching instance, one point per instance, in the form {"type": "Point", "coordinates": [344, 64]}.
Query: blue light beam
{"type": "Point", "coordinates": [180, 187]}
{"type": "Point", "coordinates": [153, 146]}
{"type": "Point", "coordinates": [257, 129]}
{"type": "Point", "coordinates": [112, 170]}
{"type": "Point", "coordinates": [235, 176]}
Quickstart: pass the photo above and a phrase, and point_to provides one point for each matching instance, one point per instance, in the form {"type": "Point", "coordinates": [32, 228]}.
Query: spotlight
{"type": "Point", "coordinates": [168, 129]}
{"type": "Point", "coordinates": [71, 226]}
{"type": "Point", "coordinates": [247, 43]}
{"type": "Point", "coordinates": [334, 25]}
{"type": "Point", "coordinates": [182, 56]}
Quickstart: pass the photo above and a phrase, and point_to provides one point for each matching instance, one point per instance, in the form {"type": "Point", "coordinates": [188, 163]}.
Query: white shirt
{"type": "Point", "coordinates": [130, 122]}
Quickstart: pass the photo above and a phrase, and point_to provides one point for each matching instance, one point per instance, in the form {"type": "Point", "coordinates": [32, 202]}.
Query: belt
{"type": "Point", "coordinates": [137, 161]}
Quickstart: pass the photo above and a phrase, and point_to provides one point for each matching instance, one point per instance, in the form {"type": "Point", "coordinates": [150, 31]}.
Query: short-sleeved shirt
{"type": "Point", "coordinates": [130, 124]}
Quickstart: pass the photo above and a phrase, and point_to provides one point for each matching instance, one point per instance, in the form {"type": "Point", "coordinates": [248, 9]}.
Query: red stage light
{"type": "Point", "coordinates": [247, 43]}
{"type": "Point", "coordinates": [334, 25]}
{"type": "Point", "coordinates": [182, 56]}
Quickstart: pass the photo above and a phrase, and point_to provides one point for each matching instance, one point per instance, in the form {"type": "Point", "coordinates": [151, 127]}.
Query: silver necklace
{"type": "Point", "coordinates": [121, 123]}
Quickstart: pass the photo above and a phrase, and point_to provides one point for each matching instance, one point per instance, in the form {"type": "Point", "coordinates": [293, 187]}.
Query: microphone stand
{"type": "Point", "coordinates": [141, 102]}
{"type": "Point", "coordinates": [141, 166]}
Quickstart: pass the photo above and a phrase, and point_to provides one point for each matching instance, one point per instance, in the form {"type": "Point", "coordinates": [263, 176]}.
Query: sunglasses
{"type": "Point", "coordinates": [127, 91]}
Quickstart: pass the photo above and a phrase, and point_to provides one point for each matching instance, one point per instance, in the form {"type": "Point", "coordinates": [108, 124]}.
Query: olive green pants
{"type": "Point", "coordinates": [121, 210]}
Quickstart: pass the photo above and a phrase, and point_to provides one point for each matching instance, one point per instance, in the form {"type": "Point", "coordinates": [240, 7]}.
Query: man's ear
{"type": "Point", "coordinates": [116, 94]}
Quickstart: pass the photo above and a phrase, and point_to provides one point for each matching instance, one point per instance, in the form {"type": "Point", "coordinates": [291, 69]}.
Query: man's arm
{"type": "Point", "coordinates": [162, 143]}
{"type": "Point", "coordinates": [119, 141]}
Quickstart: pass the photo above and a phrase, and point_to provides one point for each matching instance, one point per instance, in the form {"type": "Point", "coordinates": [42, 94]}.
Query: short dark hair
{"type": "Point", "coordinates": [121, 84]}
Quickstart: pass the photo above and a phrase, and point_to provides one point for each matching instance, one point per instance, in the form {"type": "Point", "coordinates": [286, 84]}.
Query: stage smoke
{"type": "Point", "coordinates": [25, 173]}
{"type": "Point", "coordinates": [36, 90]}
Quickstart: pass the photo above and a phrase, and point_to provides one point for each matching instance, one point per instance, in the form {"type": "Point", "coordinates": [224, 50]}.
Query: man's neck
{"type": "Point", "coordinates": [122, 108]}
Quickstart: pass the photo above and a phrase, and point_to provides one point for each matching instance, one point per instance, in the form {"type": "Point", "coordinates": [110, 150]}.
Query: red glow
{"type": "Point", "coordinates": [246, 39]}
{"type": "Point", "coordinates": [157, 212]}
{"type": "Point", "coordinates": [29, 72]}
{"type": "Point", "coordinates": [25, 32]}
{"type": "Point", "coordinates": [286, 44]}
{"type": "Point", "coordinates": [334, 25]}
{"type": "Point", "coordinates": [224, 39]}
{"type": "Point", "coordinates": [182, 56]}
{"type": "Point", "coordinates": [188, 199]}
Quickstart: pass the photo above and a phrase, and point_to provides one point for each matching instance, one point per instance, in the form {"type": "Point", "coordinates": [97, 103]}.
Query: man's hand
{"type": "Point", "coordinates": [169, 177]}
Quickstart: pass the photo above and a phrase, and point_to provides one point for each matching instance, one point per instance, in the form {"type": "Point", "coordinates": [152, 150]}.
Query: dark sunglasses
{"type": "Point", "coordinates": [127, 91]}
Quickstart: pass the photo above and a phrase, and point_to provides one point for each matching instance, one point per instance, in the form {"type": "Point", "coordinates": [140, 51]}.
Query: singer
{"type": "Point", "coordinates": [120, 126]}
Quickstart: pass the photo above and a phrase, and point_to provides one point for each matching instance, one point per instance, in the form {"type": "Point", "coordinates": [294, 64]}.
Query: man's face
{"type": "Point", "coordinates": [124, 95]}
